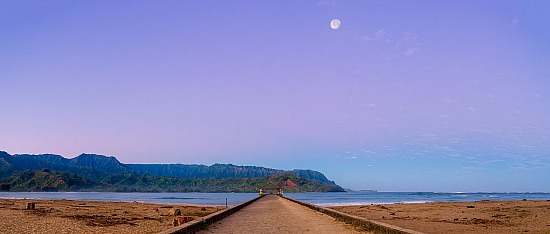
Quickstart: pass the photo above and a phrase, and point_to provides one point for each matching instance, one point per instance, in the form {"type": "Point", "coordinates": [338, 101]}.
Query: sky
{"type": "Point", "coordinates": [443, 96]}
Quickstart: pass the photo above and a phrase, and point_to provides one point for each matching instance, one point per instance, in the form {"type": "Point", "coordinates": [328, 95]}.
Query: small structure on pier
{"type": "Point", "coordinates": [271, 188]}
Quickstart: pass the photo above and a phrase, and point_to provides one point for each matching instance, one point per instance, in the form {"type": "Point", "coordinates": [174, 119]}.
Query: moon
{"type": "Point", "coordinates": [335, 24]}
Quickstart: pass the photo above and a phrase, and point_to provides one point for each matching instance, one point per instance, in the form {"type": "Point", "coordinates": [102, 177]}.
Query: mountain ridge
{"type": "Point", "coordinates": [108, 171]}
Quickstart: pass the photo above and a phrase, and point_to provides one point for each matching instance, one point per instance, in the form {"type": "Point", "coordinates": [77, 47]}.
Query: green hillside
{"type": "Point", "coordinates": [89, 172]}
{"type": "Point", "coordinates": [46, 180]}
{"type": "Point", "coordinates": [49, 181]}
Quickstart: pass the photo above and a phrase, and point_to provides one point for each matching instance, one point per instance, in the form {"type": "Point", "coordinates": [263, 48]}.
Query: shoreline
{"type": "Point", "coordinates": [133, 202]}
{"type": "Point", "coordinates": [201, 199]}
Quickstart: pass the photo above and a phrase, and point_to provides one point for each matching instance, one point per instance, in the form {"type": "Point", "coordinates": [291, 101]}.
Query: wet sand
{"type": "Point", "coordinates": [68, 216]}
{"type": "Point", "coordinates": [461, 217]}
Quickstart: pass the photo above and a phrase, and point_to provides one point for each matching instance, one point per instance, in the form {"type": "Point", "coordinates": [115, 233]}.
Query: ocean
{"type": "Point", "coordinates": [322, 199]}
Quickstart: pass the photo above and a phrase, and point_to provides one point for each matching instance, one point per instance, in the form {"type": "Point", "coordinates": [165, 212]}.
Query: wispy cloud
{"type": "Point", "coordinates": [410, 38]}
{"type": "Point", "coordinates": [370, 105]}
{"type": "Point", "coordinates": [407, 45]}
{"type": "Point", "coordinates": [411, 51]}
{"type": "Point", "coordinates": [327, 3]}
{"type": "Point", "coordinates": [379, 35]}
{"type": "Point", "coordinates": [515, 23]}
{"type": "Point", "coordinates": [472, 168]}
{"type": "Point", "coordinates": [409, 41]}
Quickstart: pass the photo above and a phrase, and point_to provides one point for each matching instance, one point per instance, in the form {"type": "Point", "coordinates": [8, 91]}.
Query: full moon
{"type": "Point", "coordinates": [335, 23]}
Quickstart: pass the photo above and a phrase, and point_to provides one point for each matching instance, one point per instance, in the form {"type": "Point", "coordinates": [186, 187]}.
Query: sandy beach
{"type": "Point", "coordinates": [461, 217]}
{"type": "Point", "coordinates": [69, 216]}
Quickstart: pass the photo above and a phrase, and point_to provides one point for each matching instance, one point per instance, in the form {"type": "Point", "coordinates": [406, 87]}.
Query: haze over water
{"type": "Point", "coordinates": [403, 96]}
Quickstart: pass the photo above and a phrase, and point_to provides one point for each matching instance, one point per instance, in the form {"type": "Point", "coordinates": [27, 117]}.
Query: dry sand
{"type": "Point", "coordinates": [461, 217]}
{"type": "Point", "coordinates": [67, 216]}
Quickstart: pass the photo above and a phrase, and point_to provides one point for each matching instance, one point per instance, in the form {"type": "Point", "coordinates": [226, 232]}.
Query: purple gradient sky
{"type": "Point", "coordinates": [405, 96]}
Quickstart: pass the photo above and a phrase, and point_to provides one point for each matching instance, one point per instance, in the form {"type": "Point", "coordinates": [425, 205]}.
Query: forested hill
{"type": "Point", "coordinates": [100, 172]}
{"type": "Point", "coordinates": [222, 171]}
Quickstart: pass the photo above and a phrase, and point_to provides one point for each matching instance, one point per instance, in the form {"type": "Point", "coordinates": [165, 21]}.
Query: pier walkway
{"type": "Point", "coordinates": [273, 214]}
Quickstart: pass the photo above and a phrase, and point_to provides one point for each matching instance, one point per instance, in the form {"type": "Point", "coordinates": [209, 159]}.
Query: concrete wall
{"type": "Point", "coordinates": [201, 223]}
{"type": "Point", "coordinates": [369, 225]}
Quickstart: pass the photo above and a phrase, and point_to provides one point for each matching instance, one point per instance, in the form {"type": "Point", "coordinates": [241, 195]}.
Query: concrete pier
{"type": "Point", "coordinates": [274, 214]}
